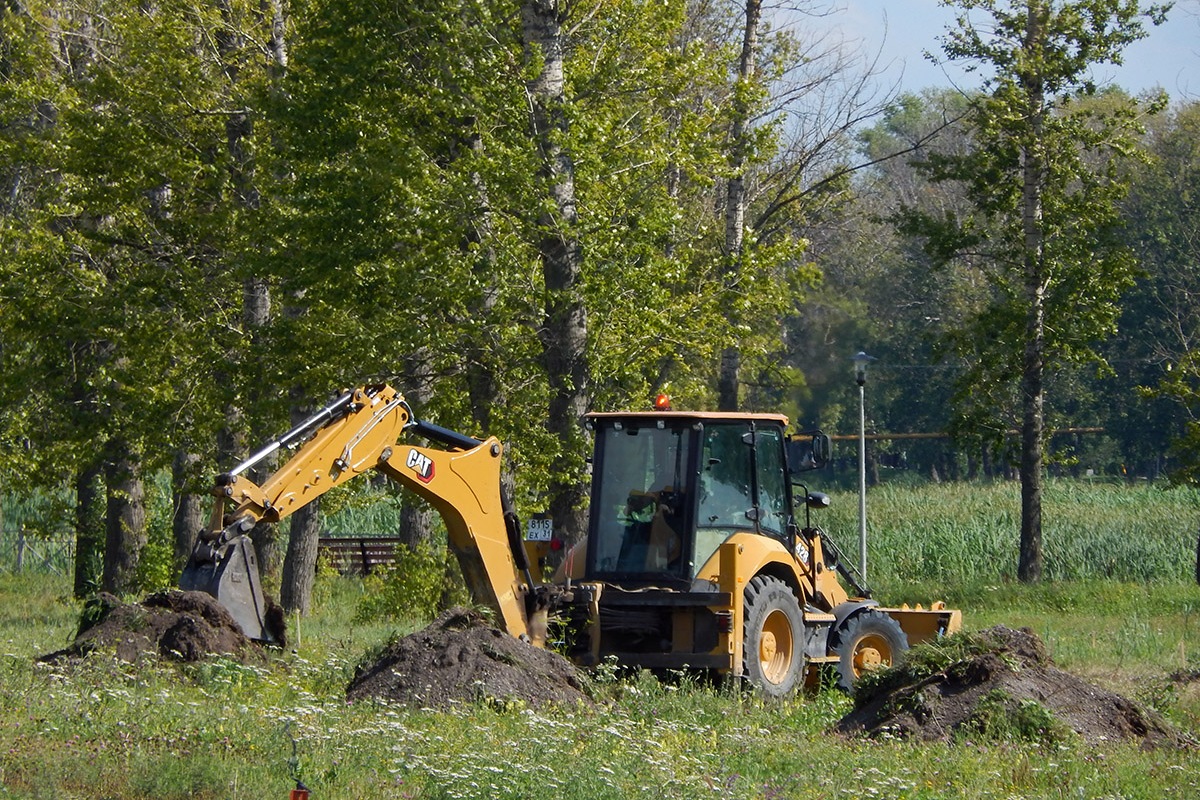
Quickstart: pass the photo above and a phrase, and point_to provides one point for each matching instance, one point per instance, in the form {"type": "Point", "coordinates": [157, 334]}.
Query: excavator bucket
{"type": "Point", "coordinates": [230, 574]}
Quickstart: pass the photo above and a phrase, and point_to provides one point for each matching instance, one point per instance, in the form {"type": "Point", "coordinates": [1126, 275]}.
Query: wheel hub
{"type": "Point", "coordinates": [767, 647]}
{"type": "Point", "coordinates": [867, 658]}
{"type": "Point", "coordinates": [871, 652]}
{"type": "Point", "coordinates": [775, 647]}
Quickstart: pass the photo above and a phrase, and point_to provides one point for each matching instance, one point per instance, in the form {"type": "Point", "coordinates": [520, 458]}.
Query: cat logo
{"type": "Point", "coordinates": [421, 464]}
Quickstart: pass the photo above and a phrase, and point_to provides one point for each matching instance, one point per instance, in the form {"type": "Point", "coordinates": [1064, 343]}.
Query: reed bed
{"type": "Point", "coordinates": [969, 532]}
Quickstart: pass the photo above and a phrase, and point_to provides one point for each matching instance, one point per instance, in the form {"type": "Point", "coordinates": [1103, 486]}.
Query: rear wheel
{"type": "Point", "coordinates": [773, 643]}
{"type": "Point", "coordinates": [869, 641]}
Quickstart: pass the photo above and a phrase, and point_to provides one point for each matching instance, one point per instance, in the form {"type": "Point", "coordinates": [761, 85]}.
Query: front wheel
{"type": "Point", "coordinates": [773, 642]}
{"type": "Point", "coordinates": [869, 641]}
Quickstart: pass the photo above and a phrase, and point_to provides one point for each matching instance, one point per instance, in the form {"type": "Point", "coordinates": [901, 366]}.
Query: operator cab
{"type": "Point", "coordinates": [669, 487]}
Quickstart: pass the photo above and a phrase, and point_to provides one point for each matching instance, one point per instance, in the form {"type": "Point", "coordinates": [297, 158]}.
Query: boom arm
{"type": "Point", "coordinates": [362, 430]}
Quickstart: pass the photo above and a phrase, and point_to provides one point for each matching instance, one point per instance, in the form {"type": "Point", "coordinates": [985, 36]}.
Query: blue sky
{"type": "Point", "coordinates": [902, 29]}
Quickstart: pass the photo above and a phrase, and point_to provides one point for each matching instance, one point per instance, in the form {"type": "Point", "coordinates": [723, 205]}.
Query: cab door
{"type": "Point", "coordinates": [742, 485]}
{"type": "Point", "coordinates": [640, 516]}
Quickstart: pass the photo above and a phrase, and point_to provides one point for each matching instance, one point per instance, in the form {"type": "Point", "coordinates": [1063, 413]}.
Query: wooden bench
{"type": "Point", "coordinates": [358, 555]}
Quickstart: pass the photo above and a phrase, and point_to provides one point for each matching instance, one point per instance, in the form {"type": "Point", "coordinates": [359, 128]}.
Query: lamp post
{"type": "Point", "coordinates": [861, 359]}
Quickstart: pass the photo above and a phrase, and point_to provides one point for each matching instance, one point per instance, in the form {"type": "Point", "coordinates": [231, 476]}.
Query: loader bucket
{"type": "Point", "coordinates": [231, 575]}
{"type": "Point", "coordinates": [920, 624]}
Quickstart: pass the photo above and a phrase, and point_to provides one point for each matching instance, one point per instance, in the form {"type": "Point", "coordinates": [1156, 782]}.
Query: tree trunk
{"type": "Point", "coordinates": [89, 532]}
{"type": "Point", "coordinates": [187, 510]}
{"type": "Point", "coordinates": [564, 330]}
{"type": "Point", "coordinates": [256, 313]}
{"type": "Point", "coordinates": [483, 389]}
{"type": "Point", "coordinates": [1029, 566]}
{"type": "Point", "coordinates": [300, 562]}
{"type": "Point", "coordinates": [125, 522]}
{"type": "Point", "coordinates": [256, 291]}
{"type": "Point", "coordinates": [728, 379]}
{"type": "Point", "coordinates": [300, 565]}
{"type": "Point", "coordinates": [416, 521]}
{"type": "Point", "coordinates": [1198, 559]}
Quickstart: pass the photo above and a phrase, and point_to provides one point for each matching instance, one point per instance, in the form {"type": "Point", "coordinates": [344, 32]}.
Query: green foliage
{"type": "Point", "coordinates": [159, 160]}
{"type": "Point", "coordinates": [920, 662]}
{"type": "Point", "coordinates": [1036, 219]}
{"type": "Point", "coordinates": [1162, 216]}
{"type": "Point", "coordinates": [1002, 718]}
{"type": "Point", "coordinates": [118, 238]}
{"type": "Point", "coordinates": [156, 565]}
{"type": "Point", "coordinates": [409, 589]}
{"type": "Point", "coordinates": [1039, 133]}
{"type": "Point", "coordinates": [361, 508]}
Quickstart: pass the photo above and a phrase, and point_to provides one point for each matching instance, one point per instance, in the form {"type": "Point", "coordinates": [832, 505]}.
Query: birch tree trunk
{"type": "Point", "coordinates": [564, 331]}
{"type": "Point", "coordinates": [728, 380]}
{"type": "Point", "coordinates": [256, 314]}
{"type": "Point", "coordinates": [1029, 566]}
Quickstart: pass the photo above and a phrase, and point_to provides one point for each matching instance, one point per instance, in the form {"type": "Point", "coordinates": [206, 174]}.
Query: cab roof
{"type": "Point", "coordinates": [685, 416]}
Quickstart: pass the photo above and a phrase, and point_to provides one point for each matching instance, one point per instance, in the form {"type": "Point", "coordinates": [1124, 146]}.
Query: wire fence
{"type": "Point", "coordinates": [45, 555]}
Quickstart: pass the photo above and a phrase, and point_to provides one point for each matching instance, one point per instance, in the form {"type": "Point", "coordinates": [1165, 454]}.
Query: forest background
{"type": "Point", "coordinates": [217, 214]}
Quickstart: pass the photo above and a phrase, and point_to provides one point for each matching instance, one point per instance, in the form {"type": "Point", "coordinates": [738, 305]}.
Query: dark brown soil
{"type": "Point", "coordinates": [1012, 670]}
{"type": "Point", "coordinates": [459, 658]}
{"type": "Point", "coordinates": [176, 625]}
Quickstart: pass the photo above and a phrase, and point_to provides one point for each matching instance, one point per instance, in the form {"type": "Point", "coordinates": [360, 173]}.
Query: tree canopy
{"type": "Point", "coordinates": [216, 215]}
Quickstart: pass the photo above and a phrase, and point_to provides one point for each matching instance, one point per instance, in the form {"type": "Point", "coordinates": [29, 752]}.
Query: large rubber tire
{"type": "Point", "coordinates": [867, 641]}
{"type": "Point", "coordinates": [773, 641]}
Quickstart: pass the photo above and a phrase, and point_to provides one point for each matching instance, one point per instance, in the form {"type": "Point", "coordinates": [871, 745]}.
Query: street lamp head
{"type": "Point", "coordinates": [861, 359]}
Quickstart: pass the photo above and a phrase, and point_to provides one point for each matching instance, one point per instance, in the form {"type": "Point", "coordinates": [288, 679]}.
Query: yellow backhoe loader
{"type": "Point", "coordinates": [699, 555]}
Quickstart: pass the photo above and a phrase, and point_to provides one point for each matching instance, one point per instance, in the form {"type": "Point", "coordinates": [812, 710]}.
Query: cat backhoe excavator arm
{"type": "Point", "coordinates": [362, 430]}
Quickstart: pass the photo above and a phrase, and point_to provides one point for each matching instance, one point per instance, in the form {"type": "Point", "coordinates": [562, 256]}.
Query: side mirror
{"type": "Point", "coordinates": [807, 451]}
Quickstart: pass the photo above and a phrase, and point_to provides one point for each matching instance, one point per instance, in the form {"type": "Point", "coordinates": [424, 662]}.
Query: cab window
{"type": "Point", "coordinates": [639, 517]}
{"type": "Point", "coordinates": [772, 481]}
{"type": "Point", "coordinates": [725, 486]}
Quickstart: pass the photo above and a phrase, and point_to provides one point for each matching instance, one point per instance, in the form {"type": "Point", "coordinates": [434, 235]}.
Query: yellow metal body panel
{"type": "Point", "coordinates": [336, 453]}
{"type": "Point", "coordinates": [758, 553]}
{"type": "Point", "coordinates": [465, 489]}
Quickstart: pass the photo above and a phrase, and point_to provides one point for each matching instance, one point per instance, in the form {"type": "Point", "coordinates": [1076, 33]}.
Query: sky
{"type": "Point", "coordinates": [900, 30]}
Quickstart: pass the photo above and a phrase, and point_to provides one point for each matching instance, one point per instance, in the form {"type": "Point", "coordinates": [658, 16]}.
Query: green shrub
{"type": "Point", "coordinates": [920, 661]}
{"type": "Point", "coordinates": [409, 589]}
{"type": "Point", "coordinates": [1001, 718]}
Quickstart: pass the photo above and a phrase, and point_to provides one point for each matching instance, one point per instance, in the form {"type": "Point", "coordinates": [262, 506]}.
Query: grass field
{"type": "Point", "coordinates": [104, 729]}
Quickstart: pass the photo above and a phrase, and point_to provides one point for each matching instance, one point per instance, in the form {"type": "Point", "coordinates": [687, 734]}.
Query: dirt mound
{"type": "Point", "coordinates": [460, 658]}
{"type": "Point", "coordinates": [1004, 684]}
{"type": "Point", "coordinates": [184, 626]}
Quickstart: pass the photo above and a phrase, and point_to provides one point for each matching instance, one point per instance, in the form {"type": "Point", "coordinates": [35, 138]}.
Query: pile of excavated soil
{"type": "Point", "coordinates": [459, 658]}
{"type": "Point", "coordinates": [1012, 669]}
{"type": "Point", "coordinates": [176, 625]}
